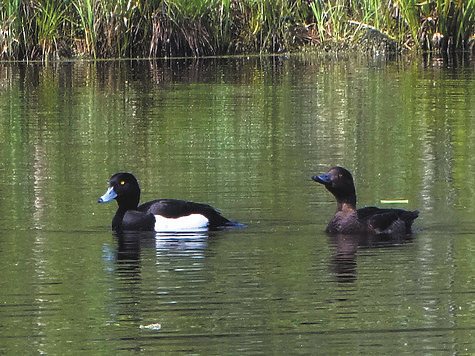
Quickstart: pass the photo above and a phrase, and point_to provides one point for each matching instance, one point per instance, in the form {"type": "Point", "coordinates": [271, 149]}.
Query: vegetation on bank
{"type": "Point", "coordinates": [44, 29]}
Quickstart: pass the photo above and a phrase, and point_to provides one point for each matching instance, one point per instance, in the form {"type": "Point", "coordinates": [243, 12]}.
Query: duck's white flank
{"type": "Point", "coordinates": [189, 223]}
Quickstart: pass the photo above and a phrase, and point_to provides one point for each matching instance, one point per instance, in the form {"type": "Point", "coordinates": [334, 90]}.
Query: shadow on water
{"type": "Point", "coordinates": [344, 260]}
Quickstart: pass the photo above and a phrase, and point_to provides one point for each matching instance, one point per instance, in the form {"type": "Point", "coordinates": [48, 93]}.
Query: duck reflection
{"type": "Point", "coordinates": [191, 242]}
{"type": "Point", "coordinates": [131, 244]}
{"type": "Point", "coordinates": [344, 261]}
{"type": "Point", "coordinates": [143, 267]}
{"type": "Point", "coordinates": [128, 256]}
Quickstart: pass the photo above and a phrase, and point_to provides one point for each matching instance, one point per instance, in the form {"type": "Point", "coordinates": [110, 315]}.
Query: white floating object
{"type": "Point", "coordinates": [156, 326]}
{"type": "Point", "coordinates": [394, 201]}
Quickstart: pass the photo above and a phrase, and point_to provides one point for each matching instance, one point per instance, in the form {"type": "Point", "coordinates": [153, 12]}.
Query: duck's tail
{"type": "Point", "coordinates": [408, 216]}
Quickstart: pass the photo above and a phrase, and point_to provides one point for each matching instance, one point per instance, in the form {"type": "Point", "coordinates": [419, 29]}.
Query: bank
{"type": "Point", "coordinates": [55, 29]}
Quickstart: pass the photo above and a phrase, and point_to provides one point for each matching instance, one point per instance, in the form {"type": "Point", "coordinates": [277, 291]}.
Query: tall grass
{"type": "Point", "coordinates": [15, 28]}
{"type": "Point", "coordinates": [410, 19]}
{"type": "Point", "coordinates": [130, 28]}
{"type": "Point", "coordinates": [49, 18]}
{"type": "Point", "coordinates": [86, 16]}
{"type": "Point", "coordinates": [8, 32]}
{"type": "Point", "coordinates": [319, 13]}
{"type": "Point", "coordinates": [456, 21]}
{"type": "Point", "coordinates": [268, 25]}
{"type": "Point", "coordinates": [181, 27]}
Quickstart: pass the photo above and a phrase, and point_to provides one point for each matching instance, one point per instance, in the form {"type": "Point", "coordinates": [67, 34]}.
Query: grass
{"type": "Point", "coordinates": [49, 18]}
{"type": "Point", "coordinates": [44, 29]}
{"type": "Point", "coordinates": [86, 17]}
{"type": "Point", "coordinates": [456, 20]}
{"type": "Point", "coordinates": [13, 29]}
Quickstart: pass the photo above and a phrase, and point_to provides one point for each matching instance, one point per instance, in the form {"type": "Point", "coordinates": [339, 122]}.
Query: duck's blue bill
{"type": "Point", "coordinates": [108, 196]}
{"type": "Point", "coordinates": [323, 178]}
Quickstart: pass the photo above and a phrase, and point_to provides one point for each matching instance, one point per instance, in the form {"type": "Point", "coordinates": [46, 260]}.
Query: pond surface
{"type": "Point", "coordinates": [245, 135]}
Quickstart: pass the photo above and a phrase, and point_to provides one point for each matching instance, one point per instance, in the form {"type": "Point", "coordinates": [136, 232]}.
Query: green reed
{"type": "Point", "coordinates": [456, 20]}
{"type": "Point", "coordinates": [48, 20]}
{"type": "Point", "coordinates": [268, 25]}
{"type": "Point", "coordinates": [15, 28]}
{"type": "Point", "coordinates": [451, 20]}
{"type": "Point", "coordinates": [372, 12]}
{"type": "Point", "coordinates": [181, 27]}
{"type": "Point", "coordinates": [86, 16]}
{"type": "Point", "coordinates": [410, 18]}
{"type": "Point", "coordinates": [130, 28]}
{"type": "Point", "coordinates": [319, 13]}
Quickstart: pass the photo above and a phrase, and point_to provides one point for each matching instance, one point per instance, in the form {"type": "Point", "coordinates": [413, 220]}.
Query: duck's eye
{"type": "Point", "coordinates": [122, 183]}
{"type": "Point", "coordinates": [340, 175]}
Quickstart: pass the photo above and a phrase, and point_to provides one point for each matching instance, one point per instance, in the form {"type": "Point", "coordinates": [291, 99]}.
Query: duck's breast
{"type": "Point", "coordinates": [345, 223]}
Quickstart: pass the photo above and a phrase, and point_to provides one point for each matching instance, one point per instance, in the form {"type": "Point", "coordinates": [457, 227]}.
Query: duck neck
{"type": "Point", "coordinates": [124, 204]}
{"type": "Point", "coordinates": [346, 204]}
{"type": "Point", "coordinates": [129, 202]}
{"type": "Point", "coordinates": [117, 219]}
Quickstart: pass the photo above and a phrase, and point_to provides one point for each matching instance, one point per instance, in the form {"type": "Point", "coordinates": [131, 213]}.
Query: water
{"type": "Point", "coordinates": [245, 135]}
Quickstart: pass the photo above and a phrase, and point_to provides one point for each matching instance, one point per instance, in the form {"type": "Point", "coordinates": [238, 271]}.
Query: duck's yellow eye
{"type": "Point", "coordinates": [340, 175]}
{"type": "Point", "coordinates": [122, 183]}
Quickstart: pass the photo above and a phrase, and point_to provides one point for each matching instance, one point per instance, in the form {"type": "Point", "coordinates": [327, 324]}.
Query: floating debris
{"type": "Point", "coordinates": [394, 201]}
{"type": "Point", "coordinates": [156, 326]}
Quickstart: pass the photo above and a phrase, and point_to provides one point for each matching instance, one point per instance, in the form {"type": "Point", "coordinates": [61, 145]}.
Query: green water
{"type": "Point", "coordinates": [245, 135]}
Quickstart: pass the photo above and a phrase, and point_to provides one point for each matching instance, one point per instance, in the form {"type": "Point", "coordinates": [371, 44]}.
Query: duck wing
{"type": "Point", "coordinates": [387, 221]}
{"type": "Point", "coordinates": [174, 208]}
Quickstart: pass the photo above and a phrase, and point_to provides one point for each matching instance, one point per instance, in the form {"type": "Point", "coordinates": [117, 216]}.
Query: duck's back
{"type": "Point", "coordinates": [387, 221]}
{"type": "Point", "coordinates": [175, 208]}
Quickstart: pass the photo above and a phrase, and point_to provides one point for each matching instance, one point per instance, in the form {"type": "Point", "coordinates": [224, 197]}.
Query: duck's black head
{"type": "Point", "coordinates": [124, 188]}
{"type": "Point", "coordinates": [339, 182]}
